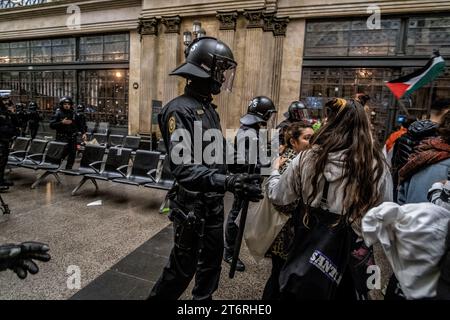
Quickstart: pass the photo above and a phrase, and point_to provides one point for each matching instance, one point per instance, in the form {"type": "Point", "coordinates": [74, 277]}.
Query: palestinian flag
{"type": "Point", "coordinates": [408, 84]}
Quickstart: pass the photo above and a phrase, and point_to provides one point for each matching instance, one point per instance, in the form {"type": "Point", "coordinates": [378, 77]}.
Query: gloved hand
{"type": "Point", "coordinates": [19, 257]}
{"type": "Point", "coordinates": [246, 186]}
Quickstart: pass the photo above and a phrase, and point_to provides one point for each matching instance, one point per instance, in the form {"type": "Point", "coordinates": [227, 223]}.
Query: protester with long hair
{"type": "Point", "coordinates": [297, 137]}
{"type": "Point", "coordinates": [344, 156]}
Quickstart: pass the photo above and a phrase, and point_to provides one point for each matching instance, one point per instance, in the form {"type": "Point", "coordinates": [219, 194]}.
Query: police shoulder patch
{"type": "Point", "coordinates": [172, 124]}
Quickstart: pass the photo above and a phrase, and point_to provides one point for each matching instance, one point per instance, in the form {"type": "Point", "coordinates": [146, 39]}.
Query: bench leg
{"type": "Point", "coordinates": [57, 177]}
{"type": "Point", "coordinates": [95, 184]}
{"type": "Point", "coordinates": [80, 184]}
{"type": "Point", "coordinates": [39, 179]}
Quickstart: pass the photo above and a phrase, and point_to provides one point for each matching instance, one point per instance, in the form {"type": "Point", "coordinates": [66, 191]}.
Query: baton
{"type": "Point", "coordinates": [237, 244]}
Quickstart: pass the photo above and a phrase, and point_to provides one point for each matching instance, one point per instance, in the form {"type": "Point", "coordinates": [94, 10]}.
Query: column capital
{"type": "Point", "coordinates": [254, 17]}
{"type": "Point", "coordinates": [227, 19]}
{"type": "Point", "coordinates": [172, 24]}
{"type": "Point", "coordinates": [280, 26]}
{"type": "Point", "coordinates": [148, 26]}
{"type": "Point", "coordinates": [268, 18]}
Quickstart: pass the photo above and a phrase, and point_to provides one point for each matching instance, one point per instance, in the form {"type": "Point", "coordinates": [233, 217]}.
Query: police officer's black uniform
{"type": "Point", "coordinates": [258, 114]}
{"type": "Point", "coordinates": [7, 131]}
{"type": "Point", "coordinates": [21, 119]}
{"type": "Point", "coordinates": [34, 119]}
{"type": "Point", "coordinates": [67, 132]}
{"type": "Point", "coordinates": [196, 201]}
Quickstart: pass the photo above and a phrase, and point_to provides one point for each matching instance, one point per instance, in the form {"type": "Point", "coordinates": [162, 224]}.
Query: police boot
{"type": "Point", "coordinates": [228, 258]}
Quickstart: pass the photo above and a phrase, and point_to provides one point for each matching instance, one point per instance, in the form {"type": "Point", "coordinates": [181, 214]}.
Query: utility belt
{"type": "Point", "coordinates": [189, 219]}
{"type": "Point", "coordinates": [188, 198]}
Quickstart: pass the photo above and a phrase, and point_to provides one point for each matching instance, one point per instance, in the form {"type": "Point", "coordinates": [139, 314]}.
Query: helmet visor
{"type": "Point", "coordinates": [228, 79]}
{"type": "Point", "coordinates": [224, 71]}
{"type": "Point", "coordinates": [301, 114]}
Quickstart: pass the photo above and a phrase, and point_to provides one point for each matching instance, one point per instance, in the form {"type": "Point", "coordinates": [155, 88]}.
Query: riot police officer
{"type": "Point", "coordinates": [34, 119]}
{"type": "Point", "coordinates": [7, 131]}
{"type": "Point", "coordinates": [67, 126]}
{"type": "Point", "coordinates": [259, 112]}
{"type": "Point", "coordinates": [21, 118]}
{"type": "Point", "coordinates": [196, 200]}
{"type": "Point", "coordinates": [297, 111]}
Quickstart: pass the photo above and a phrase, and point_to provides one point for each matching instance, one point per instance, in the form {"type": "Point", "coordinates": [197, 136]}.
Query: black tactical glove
{"type": "Point", "coordinates": [19, 257]}
{"type": "Point", "coordinates": [246, 186]}
{"type": "Point", "coordinates": [443, 287]}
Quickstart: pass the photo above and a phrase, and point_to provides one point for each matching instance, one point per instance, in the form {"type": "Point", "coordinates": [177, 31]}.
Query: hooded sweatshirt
{"type": "Point", "coordinates": [295, 182]}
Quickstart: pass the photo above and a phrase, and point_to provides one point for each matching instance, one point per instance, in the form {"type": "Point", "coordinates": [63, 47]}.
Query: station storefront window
{"type": "Point", "coordinates": [321, 84]}
{"type": "Point", "coordinates": [96, 75]}
{"type": "Point", "coordinates": [372, 57]}
{"type": "Point", "coordinates": [351, 38]}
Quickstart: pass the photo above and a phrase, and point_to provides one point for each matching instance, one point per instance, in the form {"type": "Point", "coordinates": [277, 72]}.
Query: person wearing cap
{"type": "Point", "coordinates": [297, 111]}
{"type": "Point", "coordinates": [196, 198]}
{"type": "Point", "coordinates": [259, 112]}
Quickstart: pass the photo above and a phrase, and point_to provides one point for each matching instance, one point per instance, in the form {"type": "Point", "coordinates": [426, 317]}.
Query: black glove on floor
{"type": "Point", "coordinates": [19, 257]}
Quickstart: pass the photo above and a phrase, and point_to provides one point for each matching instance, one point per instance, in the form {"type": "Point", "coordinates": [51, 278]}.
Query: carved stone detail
{"type": "Point", "coordinates": [148, 26]}
{"type": "Point", "coordinates": [227, 20]}
{"type": "Point", "coordinates": [280, 26]}
{"type": "Point", "coordinates": [172, 24]}
{"type": "Point", "coordinates": [255, 18]}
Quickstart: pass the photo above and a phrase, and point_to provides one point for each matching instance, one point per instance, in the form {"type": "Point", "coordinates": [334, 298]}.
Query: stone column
{"type": "Point", "coordinates": [279, 32]}
{"type": "Point", "coordinates": [227, 30]}
{"type": "Point", "coordinates": [134, 99]}
{"type": "Point", "coordinates": [291, 69]}
{"type": "Point", "coordinates": [171, 48]}
{"type": "Point", "coordinates": [148, 28]}
{"type": "Point", "coordinates": [253, 49]}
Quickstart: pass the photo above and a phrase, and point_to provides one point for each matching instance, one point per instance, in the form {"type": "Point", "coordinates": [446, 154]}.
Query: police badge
{"type": "Point", "coordinates": [172, 124]}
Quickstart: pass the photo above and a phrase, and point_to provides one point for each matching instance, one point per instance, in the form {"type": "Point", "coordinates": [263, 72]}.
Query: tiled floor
{"type": "Point", "coordinates": [120, 246]}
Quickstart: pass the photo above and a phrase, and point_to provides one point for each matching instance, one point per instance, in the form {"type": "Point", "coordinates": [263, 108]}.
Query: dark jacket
{"type": "Point", "coordinates": [405, 145]}
{"type": "Point", "coordinates": [181, 113]}
{"type": "Point", "coordinates": [64, 131]}
{"type": "Point", "coordinates": [7, 127]}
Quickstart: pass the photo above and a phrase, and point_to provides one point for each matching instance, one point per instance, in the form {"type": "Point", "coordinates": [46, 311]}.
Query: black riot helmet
{"type": "Point", "coordinates": [259, 110]}
{"type": "Point", "coordinates": [298, 112]}
{"type": "Point", "coordinates": [81, 108]}
{"type": "Point", "coordinates": [32, 106]}
{"type": "Point", "coordinates": [208, 58]}
{"type": "Point", "coordinates": [65, 100]}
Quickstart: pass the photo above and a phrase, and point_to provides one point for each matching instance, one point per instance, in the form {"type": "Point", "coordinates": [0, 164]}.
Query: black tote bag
{"type": "Point", "coordinates": [319, 255]}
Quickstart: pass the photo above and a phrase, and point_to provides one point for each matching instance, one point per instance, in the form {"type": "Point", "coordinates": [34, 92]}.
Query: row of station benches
{"type": "Point", "coordinates": [41, 155]}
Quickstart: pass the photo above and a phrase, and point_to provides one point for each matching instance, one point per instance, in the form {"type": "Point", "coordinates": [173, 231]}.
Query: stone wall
{"type": "Point", "coordinates": [266, 37]}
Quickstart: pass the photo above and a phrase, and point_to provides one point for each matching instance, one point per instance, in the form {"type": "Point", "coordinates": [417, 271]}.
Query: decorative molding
{"type": "Point", "coordinates": [197, 8]}
{"type": "Point", "coordinates": [60, 8]}
{"type": "Point", "coordinates": [280, 26]}
{"type": "Point", "coordinates": [227, 20]}
{"type": "Point", "coordinates": [350, 8]}
{"type": "Point", "coordinates": [172, 24]}
{"type": "Point", "coordinates": [148, 27]}
{"type": "Point", "coordinates": [255, 18]}
{"type": "Point", "coordinates": [269, 21]}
